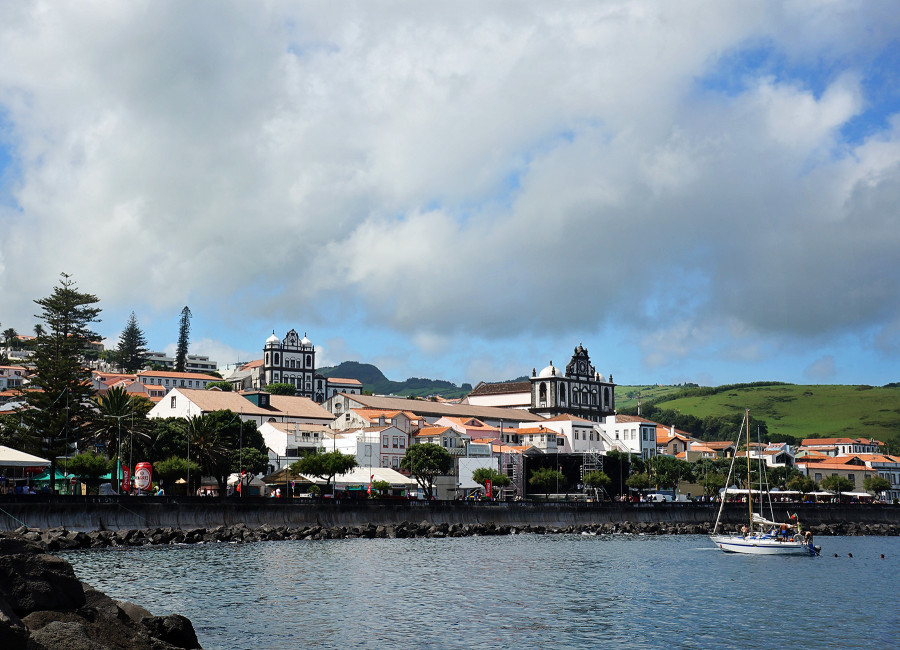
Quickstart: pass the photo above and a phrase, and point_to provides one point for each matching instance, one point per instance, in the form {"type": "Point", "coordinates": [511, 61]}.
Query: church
{"type": "Point", "coordinates": [580, 391]}
{"type": "Point", "coordinates": [290, 360]}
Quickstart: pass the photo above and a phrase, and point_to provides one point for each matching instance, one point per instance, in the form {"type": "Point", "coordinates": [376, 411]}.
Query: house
{"type": "Point", "coordinates": [12, 377]}
{"type": "Point", "coordinates": [429, 411]}
{"type": "Point", "coordinates": [470, 427]}
{"type": "Point", "coordinates": [288, 441]}
{"type": "Point", "coordinates": [252, 407]}
{"type": "Point", "coordinates": [671, 442]}
{"type": "Point", "coordinates": [447, 437]}
{"type": "Point", "coordinates": [382, 446]}
{"type": "Point", "coordinates": [361, 417]}
{"type": "Point", "coordinates": [840, 446]}
{"type": "Point", "coordinates": [636, 433]}
{"type": "Point", "coordinates": [853, 469]}
{"type": "Point", "coordinates": [329, 386]}
{"type": "Point", "coordinates": [192, 362]}
{"type": "Point", "coordinates": [512, 394]}
{"type": "Point", "coordinates": [170, 380]}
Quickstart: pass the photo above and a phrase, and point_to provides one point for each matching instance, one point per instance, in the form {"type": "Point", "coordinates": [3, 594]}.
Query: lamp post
{"type": "Point", "coordinates": [119, 450]}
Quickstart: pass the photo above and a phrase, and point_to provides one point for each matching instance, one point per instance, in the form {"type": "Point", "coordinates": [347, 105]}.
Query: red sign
{"type": "Point", "coordinates": [488, 485]}
{"type": "Point", "coordinates": [126, 478]}
{"type": "Point", "coordinates": [73, 480]}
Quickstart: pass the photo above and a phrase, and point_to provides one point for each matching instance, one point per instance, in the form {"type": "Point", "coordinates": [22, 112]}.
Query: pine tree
{"type": "Point", "coordinates": [132, 349]}
{"type": "Point", "coordinates": [61, 409]}
{"type": "Point", "coordinates": [184, 330]}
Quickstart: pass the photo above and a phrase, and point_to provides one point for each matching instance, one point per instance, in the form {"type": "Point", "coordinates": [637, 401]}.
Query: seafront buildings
{"type": "Point", "coordinates": [558, 418]}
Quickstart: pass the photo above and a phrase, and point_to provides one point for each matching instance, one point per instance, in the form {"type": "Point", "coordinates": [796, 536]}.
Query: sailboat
{"type": "Point", "coordinates": [761, 535]}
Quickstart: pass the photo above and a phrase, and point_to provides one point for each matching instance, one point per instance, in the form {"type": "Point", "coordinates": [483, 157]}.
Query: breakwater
{"type": "Point", "coordinates": [189, 513]}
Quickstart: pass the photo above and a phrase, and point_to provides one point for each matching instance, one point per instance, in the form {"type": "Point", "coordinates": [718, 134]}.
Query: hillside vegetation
{"type": "Point", "coordinates": [374, 381]}
{"type": "Point", "coordinates": [788, 411]}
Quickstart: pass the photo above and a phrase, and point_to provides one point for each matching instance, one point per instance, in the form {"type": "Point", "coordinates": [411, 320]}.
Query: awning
{"type": "Point", "coordinates": [10, 457]}
{"type": "Point", "coordinates": [45, 477]}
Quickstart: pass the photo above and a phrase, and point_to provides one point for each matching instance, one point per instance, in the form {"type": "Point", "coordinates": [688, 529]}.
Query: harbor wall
{"type": "Point", "coordinates": [188, 513]}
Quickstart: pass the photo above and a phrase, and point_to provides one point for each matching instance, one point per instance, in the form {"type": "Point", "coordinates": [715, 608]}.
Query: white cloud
{"type": "Point", "coordinates": [821, 370]}
{"type": "Point", "coordinates": [454, 175]}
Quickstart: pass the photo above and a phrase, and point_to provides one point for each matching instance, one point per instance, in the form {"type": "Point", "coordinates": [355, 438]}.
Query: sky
{"type": "Point", "coordinates": [694, 191]}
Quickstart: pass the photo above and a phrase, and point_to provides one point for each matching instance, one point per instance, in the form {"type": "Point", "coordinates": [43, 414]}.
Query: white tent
{"type": "Point", "coordinates": [10, 457]}
{"type": "Point", "coordinates": [362, 476]}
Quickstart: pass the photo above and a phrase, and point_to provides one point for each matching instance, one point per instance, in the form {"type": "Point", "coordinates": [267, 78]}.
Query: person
{"type": "Point", "coordinates": [744, 531]}
{"type": "Point", "coordinates": [159, 491]}
{"type": "Point", "coordinates": [277, 493]}
{"type": "Point", "coordinates": [808, 538]}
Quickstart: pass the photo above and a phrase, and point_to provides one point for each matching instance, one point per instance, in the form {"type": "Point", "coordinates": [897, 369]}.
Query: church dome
{"type": "Point", "coordinates": [550, 371]}
{"type": "Point", "coordinates": [273, 340]}
{"type": "Point", "coordinates": [305, 341]}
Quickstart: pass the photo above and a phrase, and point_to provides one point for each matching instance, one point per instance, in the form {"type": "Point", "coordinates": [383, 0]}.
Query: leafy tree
{"type": "Point", "coordinates": [325, 465]}
{"type": "Point", "coordinates": [779, 476]}
{"type": "Point", "coordinates": [666, 471]}
{"type": "Point", "coordinates": [184, 331]}
{"type": "Point", "coordinates": [247, 463]}
{"type": "Point", "coordinates": [639, 481]}
{"type": "Point", "coordinates": [545, 478]}
{"type": "Point", "coordinates": [802, 484]}
{"type": "Point", "coordinates": [277, 388]}
{"type": "Point", "coordinates": [221, 385]}
{"type": "Point", "coordinates": [174, 468]}
{"type": "Point", "coordinates": [380, 488]}
{"type": "Point", "coordinates": [426, 462]}
{"type": "Point", "coordinates": [120, 416]}
{"type": "Point", "coordinates": [484, 474]}
{"type": "Point", "coordinates": [60, 409]}
{"type": "Point", "coordinates": [837, 484]}
{"type": "Point", "coordinates": [876, 484]}
{"type": "Point", "coordinates": [206, 449]}
{"type": "Point", "coordinates": [596, 480]}
{"type": "Point", "coordinates": [90, 466]}
{"type": "Point", "coordinates": [132, 349]}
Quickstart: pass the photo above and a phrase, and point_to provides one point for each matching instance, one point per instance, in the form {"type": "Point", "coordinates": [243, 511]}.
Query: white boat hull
{"type": "Point", "coordinates": [753, 545]}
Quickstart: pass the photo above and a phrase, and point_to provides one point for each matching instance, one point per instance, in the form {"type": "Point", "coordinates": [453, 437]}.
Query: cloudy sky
{"type": "Point", "coordinates": [701, 192]}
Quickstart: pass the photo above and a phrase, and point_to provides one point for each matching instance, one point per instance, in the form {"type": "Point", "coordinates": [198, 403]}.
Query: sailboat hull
{"type": "Point", "coordinates": [753, 545]}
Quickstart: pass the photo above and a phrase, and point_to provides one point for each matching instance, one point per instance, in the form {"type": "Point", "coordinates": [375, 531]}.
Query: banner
{"type": "Point", "coordinates": [126, 478]}
{"type": "Point", "coordinates": [488, 486]}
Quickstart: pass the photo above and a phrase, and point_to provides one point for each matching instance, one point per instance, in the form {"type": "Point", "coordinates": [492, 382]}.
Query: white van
{"type": "Point", "coordinates": [659, 497]}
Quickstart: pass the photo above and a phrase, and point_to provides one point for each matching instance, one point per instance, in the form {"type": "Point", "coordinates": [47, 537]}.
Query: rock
{"type": "Point", "coordinates": [174, 629]}
{"type": "Point", "coordinates": [64, 636]}
{"type": "Point", "coordinates": [33, 582]}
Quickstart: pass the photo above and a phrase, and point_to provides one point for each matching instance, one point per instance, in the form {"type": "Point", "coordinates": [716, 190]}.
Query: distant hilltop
{"type": "Point", "coordinates": [374, 381]}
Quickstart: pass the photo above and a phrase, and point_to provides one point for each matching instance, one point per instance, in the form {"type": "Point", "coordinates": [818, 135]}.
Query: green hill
{"type": "Point", "coordinates": [374, 381]}
{"type": "Point", "coordinates": [786, 411]}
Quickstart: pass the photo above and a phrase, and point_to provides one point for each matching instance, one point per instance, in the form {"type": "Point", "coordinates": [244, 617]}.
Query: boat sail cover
{"type": "Point", "coordinates": [762, 521]}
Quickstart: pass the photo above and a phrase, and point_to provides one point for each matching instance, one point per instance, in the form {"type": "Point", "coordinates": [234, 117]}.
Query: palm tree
{"type": "Point", "coordinates": [204, 445]}
{"type": "Point", "coordinates": [10, 335]}
{"type": "Point", "coordinates": [120, 416]}
{"type": "Point", "coordinates": [39, 330]}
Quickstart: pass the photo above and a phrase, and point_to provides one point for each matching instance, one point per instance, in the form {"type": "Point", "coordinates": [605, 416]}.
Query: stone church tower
{"type": "Point", "coordinates": [581, 391]}
{"type": "Point", "coordinates": [291, 360]}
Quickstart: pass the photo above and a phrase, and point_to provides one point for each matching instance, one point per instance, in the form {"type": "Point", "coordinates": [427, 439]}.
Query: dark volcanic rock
{"type": "Point", "coordinates": [43, 605]}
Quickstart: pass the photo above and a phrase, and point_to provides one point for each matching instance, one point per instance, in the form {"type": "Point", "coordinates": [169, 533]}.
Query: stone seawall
{"type": "Point", "coordinates": [189, 513]}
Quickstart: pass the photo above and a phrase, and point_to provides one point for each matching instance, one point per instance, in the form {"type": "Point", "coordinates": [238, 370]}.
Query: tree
{"type": "Point", "coordinates": [174, 468]}
{"type": "Point", "coordinates": [220, 385]}
{"type": "Point", "coordinates": [640, 481]}
{"type": "Point", "coordinates": [89, 466]}
{"type": "Point", "coordinates": [666, 471]}
{"type": "Point", "coordinates": [596, 480]}
{"type": "Point", "coordinates": [280, 389]}
{"type": "Point", "coordinates": [545, 478]}
{"type": "Point", "coordinates": [60, 410]}
{"type": "Point", "coordinates": [837, 484]}
{"type": "Point", "coordinates": [484, 474]}
{"type": "Point", "coordinates": [380, 488]}
{"type": "Point", "coordinates": [876, 484]}
{"type": "Point", "coordinates": [325, 465]}
{"type": "Point", "coordinates": [426, 462]}
{"type": "Point", "coordinates": [132, 349]}
{"type": "Point", "coordinates": [11, 337]}
{"type": "Point", "coordinates": [802, 484]}
{"type": "Point", "coordinates": [247, 463]}
{"type": "Point", "coordinates": [184, 331]}
{"type": "Point", "coordinates": [120, 416]}
{"type": "Point", "coordinates": [38, 330]}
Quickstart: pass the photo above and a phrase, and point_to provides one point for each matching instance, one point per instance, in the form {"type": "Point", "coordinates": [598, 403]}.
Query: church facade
{"type": "Point", "coordinates": [579, 391]}
{"type": "Point", "coordinates": [290, 360]}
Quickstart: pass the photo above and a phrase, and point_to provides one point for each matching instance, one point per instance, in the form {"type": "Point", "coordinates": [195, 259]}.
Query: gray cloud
{"type": "Point", "coordinates": [489, 172]}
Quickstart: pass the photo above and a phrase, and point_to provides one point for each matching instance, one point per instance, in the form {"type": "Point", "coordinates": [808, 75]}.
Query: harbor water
{"type": "Point", "coordinates": [562, 591]}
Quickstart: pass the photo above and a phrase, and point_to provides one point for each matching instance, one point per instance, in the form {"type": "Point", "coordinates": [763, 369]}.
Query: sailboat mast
{"type": "Point", "coordinates": [749, 482]}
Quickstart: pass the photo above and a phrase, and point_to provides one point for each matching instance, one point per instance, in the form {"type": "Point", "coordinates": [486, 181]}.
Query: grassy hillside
{"type": "Point", "coordinates": [627, 396]}
{"type": "Point", "coordinates": [801, 411]}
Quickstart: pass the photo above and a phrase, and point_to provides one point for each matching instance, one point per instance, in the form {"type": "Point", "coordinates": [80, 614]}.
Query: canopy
{"type": "Point", "coordinates": [362, 476]}
{"type": "Point", "coordinates": [10, 457]}
{"type": "Point", "coordinates": [859, 495]}
{"type": "Point", "coordinates": [45, 477]}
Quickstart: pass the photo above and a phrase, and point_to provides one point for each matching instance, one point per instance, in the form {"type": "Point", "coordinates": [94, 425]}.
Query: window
{"type": "Point", "coordinates": [385, 461]}
{"type": "Point", "coordinates": [851, 478]}
{"type": "Point", "coordinates": [395, 462]}
{"type": "Point", "coordinates": [275, 359]}
{"type": "Point", "coordinates": [402, 443]}
{"type": "Point", "coordinates": [645, 435]}
{"type": "Point", "coordinates": [818, 477]}
{"type": "Point", "coordinates": [396, 443]}
{"type": "Point", "coordinates": [172, 404]}
{"type": "Point", "coordinates": [384, 442]}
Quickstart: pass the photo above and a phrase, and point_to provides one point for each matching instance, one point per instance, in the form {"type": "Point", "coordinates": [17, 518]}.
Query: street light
{"type": "Point", "coordinates": [119, 450]}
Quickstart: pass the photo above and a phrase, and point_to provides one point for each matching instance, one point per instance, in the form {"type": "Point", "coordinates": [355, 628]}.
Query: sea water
{"type": "Point", "coordinates": [518, 591]}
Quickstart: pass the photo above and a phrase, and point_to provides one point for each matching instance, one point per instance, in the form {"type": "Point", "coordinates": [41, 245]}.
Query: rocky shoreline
{"type": "Point", "coordinates": [43, 606]}
{"type": "Point", "coordinates": [60, 539]}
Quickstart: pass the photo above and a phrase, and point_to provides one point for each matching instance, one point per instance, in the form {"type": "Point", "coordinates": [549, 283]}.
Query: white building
{"type": "Point", "coordinates": [192, 363]}
{"type": "Point", "coordinates": [637, 434]}
{"type": "Point", "coordinates": [291, 360]}
{"type": "Point", "coordinates": [373, 446]}
{"type": "Point", "coordinates": [169, 380]}
{"type": "Point", "coordinates": [288, 441]}
{"type": "Point", "coordinates": [253, 407]}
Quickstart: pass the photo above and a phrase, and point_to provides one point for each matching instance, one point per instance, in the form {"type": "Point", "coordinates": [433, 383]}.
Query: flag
{"type": "Point", "coordinates": [371, 476]}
